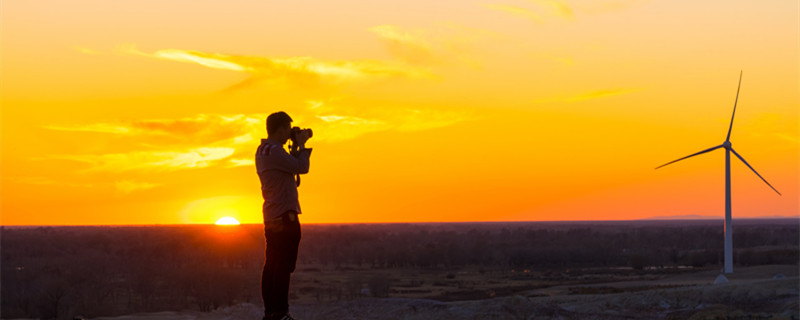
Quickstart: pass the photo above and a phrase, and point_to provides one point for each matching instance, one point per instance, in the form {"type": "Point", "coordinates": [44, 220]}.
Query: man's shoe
{"type": "Point", "coordinates": [278, 316]}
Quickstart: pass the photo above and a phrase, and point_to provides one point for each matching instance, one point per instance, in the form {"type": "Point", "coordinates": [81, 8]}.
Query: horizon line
{"type": "Point", "coordinates": [660, 218]}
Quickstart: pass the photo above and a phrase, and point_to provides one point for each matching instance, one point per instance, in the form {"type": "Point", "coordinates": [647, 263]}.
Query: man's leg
{"type": "Point", "coordinates": [266, 282]}
{"type": "Point", "coordinates": [290, 246]}
{"type": "Point", "coordinates": [269, 271]}
{"type": "Point", "coordinates": [283, 239]}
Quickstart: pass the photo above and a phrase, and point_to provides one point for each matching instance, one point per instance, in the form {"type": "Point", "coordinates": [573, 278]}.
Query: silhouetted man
{"type": "Point", "coordinates": [276, 169]}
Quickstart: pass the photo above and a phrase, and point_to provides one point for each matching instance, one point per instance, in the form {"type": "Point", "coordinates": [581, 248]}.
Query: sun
{"type": "Point", "coordinates": [227, 221]}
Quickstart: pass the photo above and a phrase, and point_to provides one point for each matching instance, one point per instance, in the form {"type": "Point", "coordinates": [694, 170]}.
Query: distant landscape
{"type": "Point", "coordinates": [702, 217]}
{"type": "Point", "coordinates": [61, 272]}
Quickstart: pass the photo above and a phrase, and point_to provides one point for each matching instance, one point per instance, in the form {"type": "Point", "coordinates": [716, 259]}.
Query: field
{"type": "Point", "coordinates": [525, 270]}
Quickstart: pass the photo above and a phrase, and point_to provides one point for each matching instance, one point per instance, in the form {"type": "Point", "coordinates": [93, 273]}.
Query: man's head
{"type": "Point", "coordinates": [279, 126]}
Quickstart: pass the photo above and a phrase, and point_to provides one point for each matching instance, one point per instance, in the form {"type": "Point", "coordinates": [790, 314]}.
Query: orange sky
{"type": "Point", "coordinates": [149, 112]}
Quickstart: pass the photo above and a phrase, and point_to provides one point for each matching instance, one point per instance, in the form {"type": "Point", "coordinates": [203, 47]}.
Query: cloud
{"type": "Point", "coordinates": [220, 140]}
{"type": "Point", "coordinates": [564, 60]}
{"type": "Point", "coordinates": [340, 127]}
{"type": "Point", "coordinates": [338, 123]}
{"type": "Point", "coordinates": [151, 160]}
{"type": "Point", "coordinates": [590, 95]}
{"type": "Point", "coordinates": [86, 50]}
{"type": "Point", "coordinates": [772, 126]}
{"type": "Point", "coordinates": [41, 181]}
{"type": "Point", "coordinates": [129, 186]}
{"type": "Point", "coordinates": [98, 127]}
{"type": "Point", "coordinates": [419, 120]}
{"type": "Point", "coordinates": [556, 8]}
{"type": "Point", "coordinates": [122, 187]}
{"type": "Point", "coordinates": [793, 139]}
{"type": "Point", "coordinates": [544, 9]}
{"type": "Point", "coordinates": [600, 7]}
{"type": "Point", "coordinates": [404, 45]}
{"type": "Point", "coordinates": [211, 60]}
{"type": "Point", "coordinates": [443, 44]}
{"type": "Point", "coordinates": [335, 122]}
{"type": "Point", "coordinates": [300, 71]}
{"type": "Point", "coordinates": [240, 162]}
{"type": "Point", "coordinates": [516, 11]}
{"type": "Point", "coordinates": [198, 141]}
{"type": "Point", "coordinates": [601, 94]}
{"type": "Point", "coordinates": [392, 33]}
{"type": "Point", "coordinates": [201, 128]}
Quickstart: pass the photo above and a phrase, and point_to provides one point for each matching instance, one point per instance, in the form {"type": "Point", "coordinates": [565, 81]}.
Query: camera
{"type": "Point", "coordinates": [296, 130]}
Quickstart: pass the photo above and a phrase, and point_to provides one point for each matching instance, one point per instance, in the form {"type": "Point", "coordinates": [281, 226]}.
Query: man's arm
{"type": "Point", "coordinates": [294, 164]}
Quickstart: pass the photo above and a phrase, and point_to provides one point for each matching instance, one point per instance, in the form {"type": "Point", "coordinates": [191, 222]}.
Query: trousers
{"type": "Point", "coordinates": [283, 241]}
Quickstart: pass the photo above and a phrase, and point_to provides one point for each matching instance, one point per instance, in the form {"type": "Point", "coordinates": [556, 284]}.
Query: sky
{"type": "Point", "coordinates": [150, 112]}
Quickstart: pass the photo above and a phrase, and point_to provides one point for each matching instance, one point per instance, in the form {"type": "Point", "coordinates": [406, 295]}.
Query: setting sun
{"type": "Point", "coordinates": [227, 221]}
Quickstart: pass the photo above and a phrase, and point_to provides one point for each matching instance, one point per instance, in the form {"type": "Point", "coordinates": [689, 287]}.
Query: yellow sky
{"type": "Point", "coordinates": [145, 112]}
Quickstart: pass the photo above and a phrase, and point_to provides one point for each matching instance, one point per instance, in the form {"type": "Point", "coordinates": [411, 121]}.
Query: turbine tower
{"type": "Point", "coordinates": [728, 150]}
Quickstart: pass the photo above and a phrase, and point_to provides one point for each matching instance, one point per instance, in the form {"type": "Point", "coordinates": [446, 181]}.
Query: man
{"type": "Point", "coordinates": [276, 169]}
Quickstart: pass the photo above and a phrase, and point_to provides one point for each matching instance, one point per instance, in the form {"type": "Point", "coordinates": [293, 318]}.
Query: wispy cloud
{"type": "Point", "coordinates": [129, 186]}
{"type": "Point", "coordinates": [590, 95]}
{"type": "Point", "coordinates": [208, 140]}
{"type": "Point", "coordinates": [606, 6]}
{"type": "Point", "coordinates": [556, 8]}
{"type": "Point", "coordinates": [341, 127]}
{"type": "Point", "coordinates": [240, 162]}
{"type": "Point", "coordinates": [771, 126]}
{"type": "Point", "coordinates": [601, 94]}
{"type": "Point", "coordinates": [151, 160]}
{"type": "Point", "coordinates": [336, 121]}
{"type": "Point", "coordinates": [211, 60]}
{"type": "Point", "coordinates": [516, 11]}
{"type": "Point", "coordinates": [403, 44]}
{"type": "Point", "coordinates": [201, 128]}
{"type": "Point", "coordinates": [86, 50]}
{"type": "Point", "coordinates": [97, 127]}
{"type": "Point", "coordinates": [541, 10]}
{"type": "Point", "coordinates": [198, 141]}
{"type": "Point", "coordinates": [563, 59]}
{"type": "Point", "coordinates": [41, 181]}
{"type": "Point", "coordinates": [301, 71]}
{"type": "Point", "coordinates": [122, 187]}
{"type": "Point", "coordinates": [419, 120]}
{"type": "Point", "coordinates": [440, 44]}
{"type": "Point", "coordinates": [788, 137]}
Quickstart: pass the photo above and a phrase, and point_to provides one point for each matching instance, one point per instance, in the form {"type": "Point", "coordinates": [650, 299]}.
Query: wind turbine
{"type": "Point", "coordinates": [728, 150]}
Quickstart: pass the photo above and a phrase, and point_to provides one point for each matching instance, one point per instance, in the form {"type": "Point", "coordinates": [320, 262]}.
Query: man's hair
{"type": "Point", "coordinates": [278, 120]}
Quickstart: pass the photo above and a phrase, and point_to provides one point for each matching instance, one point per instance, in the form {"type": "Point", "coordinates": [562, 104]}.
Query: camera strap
{"type": "Point", "coordinates": [294, 151]}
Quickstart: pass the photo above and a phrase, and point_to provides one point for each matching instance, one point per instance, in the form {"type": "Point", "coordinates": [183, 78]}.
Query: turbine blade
{"type": "Point", "coordinates": [754, 171]}
{"type": "Point", "coordinates": [691, 155]}
{"type": "Point", "coordinates": [734, 106]}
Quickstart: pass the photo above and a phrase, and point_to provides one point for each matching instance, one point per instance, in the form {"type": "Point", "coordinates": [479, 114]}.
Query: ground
{"type": "Point", "coordinates": [752, 293]}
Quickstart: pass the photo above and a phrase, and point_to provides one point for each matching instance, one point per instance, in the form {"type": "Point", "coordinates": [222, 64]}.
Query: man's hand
{"type": "Point", "coordinates": [301, 138]}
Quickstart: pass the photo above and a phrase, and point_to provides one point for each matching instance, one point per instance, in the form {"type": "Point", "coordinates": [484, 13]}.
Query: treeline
{"type": "Point", "coordinates": [550, 245]}
{"type": "Point", "coordinates": [58, 272]}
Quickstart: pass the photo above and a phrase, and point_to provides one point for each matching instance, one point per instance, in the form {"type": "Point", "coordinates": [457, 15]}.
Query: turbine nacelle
{"type": "Point", "coordinates": [727, 144]}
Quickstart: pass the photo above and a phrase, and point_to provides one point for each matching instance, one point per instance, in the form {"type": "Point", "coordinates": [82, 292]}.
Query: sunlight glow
{"type": "Point", "coordinates": [227, 221]}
